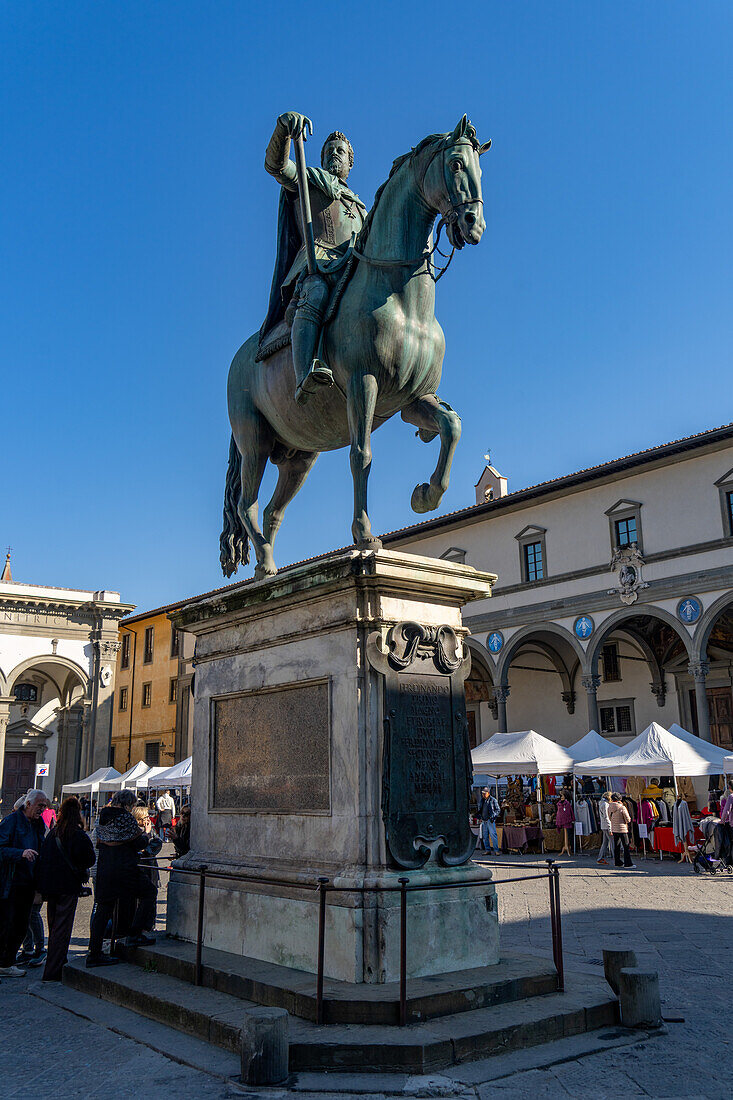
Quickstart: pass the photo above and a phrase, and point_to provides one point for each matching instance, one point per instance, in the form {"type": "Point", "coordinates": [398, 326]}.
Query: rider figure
{"type": "Point", "coordinates": [338, 215]}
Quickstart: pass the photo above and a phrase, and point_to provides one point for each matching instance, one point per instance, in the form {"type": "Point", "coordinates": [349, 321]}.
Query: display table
{"type": "Point", "coordinates": [663, 839]}
{"type": "Point", "coordinates": [520, 837]}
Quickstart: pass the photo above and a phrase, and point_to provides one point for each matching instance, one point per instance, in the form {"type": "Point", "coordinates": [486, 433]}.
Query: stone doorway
{"type": "Point", "coordinates": [720, 707]}
{"type": "Point", "coordinates": [19, 775]}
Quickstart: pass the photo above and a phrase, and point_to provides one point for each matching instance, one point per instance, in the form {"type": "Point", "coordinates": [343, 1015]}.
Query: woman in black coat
{"type": "Point", "coordinates": [63, 867]}
{"type": "Point", "coordinates": [119, 877]}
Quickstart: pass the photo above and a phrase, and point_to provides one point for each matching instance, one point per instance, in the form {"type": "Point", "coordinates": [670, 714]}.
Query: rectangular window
{"type": "Point", "coordinates": [125, 656]}
{"type": "Point", "coordinates": [611, 670]}
{"type": "Point", "coordinates": [112, 756]}
{"type": "Point", "coordinates": [123, 698]}
{"type": "Point", "coordinates": [729, 511]}
{"type": "Point", "coordinates": [533, 566]}
{"type": "Point", "coordinates": [173, 690]}
{"type": "Point", "coordinates": [608, 720]}
{"type": "Point", "coordinates": [152, 754]}
{"type": "Point", "coordinates": [175, 643]}
{"type": "Point", "coordinates": [148, 650]}
{"type": "Point", "coordinates": [626, 531]}
{"type": "Point", "coordinates": [616, 718]}
{"type": "Point", "coordinates": [147, 694]}
{"type": "Point", "coordinates": [623, 719]}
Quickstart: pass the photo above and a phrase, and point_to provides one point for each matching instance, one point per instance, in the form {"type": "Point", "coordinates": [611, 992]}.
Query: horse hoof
{"type": "Point", "coordinates": [371, 542]}
{"type": "Point", "coordinates": [262, 571]}
{"type": "Point", "coordinates": [424, 498]}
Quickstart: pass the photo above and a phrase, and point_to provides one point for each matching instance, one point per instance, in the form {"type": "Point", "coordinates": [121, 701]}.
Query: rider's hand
{"type": "Point", "coordinates": [30, 854]}
{"type": "Point", "coordinates": [296, 124]}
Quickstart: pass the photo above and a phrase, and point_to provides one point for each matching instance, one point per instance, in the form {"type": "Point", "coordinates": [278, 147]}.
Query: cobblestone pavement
{"type": "Point", "coordinates": [677, 922]}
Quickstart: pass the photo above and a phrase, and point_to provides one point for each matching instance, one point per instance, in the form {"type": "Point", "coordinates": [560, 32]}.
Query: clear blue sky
{"type": "Point", "coordinates": [138, 230]}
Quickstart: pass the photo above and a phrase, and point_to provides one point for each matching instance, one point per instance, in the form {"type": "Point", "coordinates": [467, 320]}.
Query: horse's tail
{"type": "Point", "coordinates": [233, 544]}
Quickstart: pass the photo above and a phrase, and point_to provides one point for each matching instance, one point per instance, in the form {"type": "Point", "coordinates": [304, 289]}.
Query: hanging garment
{"type": "Point", "coordinates": [564, 818]}
{"type": "Point", "coordinates": [663, 811]}
{"type": "Point", "coordinates": [634, 787]}
{"type": "Point", "coordinates": [647, 816]}
{"type": "Point", "coordinates": [583, 815]}
{"type": "Point", "coordinates": [682, 821]}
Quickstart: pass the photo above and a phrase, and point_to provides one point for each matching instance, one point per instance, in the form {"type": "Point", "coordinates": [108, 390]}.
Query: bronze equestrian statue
{"type": "Point", "coordinates": [350, 336]}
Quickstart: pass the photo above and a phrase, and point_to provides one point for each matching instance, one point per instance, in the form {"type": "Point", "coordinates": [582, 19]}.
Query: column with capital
{"type": "Point", "coordinates": [4, 718]}
{"type": "Point", "coordinates": [699, 672]}
{"type": "Point", "coordinates": [100, 737]}
{"type": "Point", "coordinates": [501, 694]}
{"type": "Point", "coordinates": [591, 685]}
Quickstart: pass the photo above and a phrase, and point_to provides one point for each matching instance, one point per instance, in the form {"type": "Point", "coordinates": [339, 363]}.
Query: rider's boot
{"type": "Point", "coordinates": [310, 373]}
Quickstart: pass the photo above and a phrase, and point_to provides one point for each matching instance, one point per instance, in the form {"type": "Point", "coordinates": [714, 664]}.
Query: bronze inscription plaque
{"type": "Point", "coordinates": [271, 750]}
{"type": "Point", "coordinates": [423, 749]}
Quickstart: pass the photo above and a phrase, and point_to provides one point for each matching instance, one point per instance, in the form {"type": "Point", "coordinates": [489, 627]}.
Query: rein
{"type": "Point", "coordinates": [449, 218]}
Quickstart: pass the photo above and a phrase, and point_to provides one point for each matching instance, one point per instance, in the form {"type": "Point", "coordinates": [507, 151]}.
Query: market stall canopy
{"type": "Point", "coordinates": [591, 746]}
{"type": "Point", "coordinates": [656, 751]}
{"type": "Point", "coordinates": [524, 753]}
{"type": "Point", "coordinates": [705, 747]}
{"type": "Point", "coordinates": [177, 776]}
{"type": "Point", "coordinates": [90, 785]}
{"type": "Point", "coordinates": [729, 765]}
{"type": "Point", "coordinates": [127, 779]}
{"type": "Point", "coordinates": [148, 779]}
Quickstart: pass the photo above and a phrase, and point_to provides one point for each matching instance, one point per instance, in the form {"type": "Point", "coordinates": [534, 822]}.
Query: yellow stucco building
{"type": "Point", "coordinates": [152, 709]}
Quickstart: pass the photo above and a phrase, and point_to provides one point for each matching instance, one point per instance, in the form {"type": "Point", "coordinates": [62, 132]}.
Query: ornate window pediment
{"type": "Point", "coordinates": [532, 553]}
{"type": "Point", "coordinates": [624, 520]}
{"type": "Point", "coordinates": [725, 488]}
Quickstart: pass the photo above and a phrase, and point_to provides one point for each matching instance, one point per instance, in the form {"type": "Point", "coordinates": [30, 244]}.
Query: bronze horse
{"type": "Point", "coordinates": [384, 346]}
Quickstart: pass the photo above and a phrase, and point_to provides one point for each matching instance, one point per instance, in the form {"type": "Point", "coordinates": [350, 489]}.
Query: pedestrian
{"type": "Point", "coordinates": [118, 881]}
{"type": "Point", "coordinates": [606, 833]}
{"type": "Point", "coordinates": [181, 833]}
{"type": "Point", "coordinates": [148, 866]}
{"type": "Point", "coordinates": [63, 868]}
{"type": "Point", "coordinates": [21, 835]}
{"type": "Point", "coordinates": [564, 819]}
{"type": "Point", "coordinates": [489, 811]}
{"type": "Point", "coordinates": [726, 805]}
{"type": "Point", "coordinates": [32, 951]}
{"type": "Point", "coordinates": [166, 808]}
{"type": "Point", "coordinates": [620, 817]}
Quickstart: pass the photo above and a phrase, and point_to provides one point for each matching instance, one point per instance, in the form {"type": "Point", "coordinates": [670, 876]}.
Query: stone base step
{"type": "Point", "coordinates": [216, 1017]}
{"type": "Point", "coordinates": [512, 979]}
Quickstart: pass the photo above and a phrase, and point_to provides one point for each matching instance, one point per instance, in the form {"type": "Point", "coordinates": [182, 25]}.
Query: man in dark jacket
{"type": "Point", "coordinates": [489, 811]}
{"type": "Point", "coordinates": [21, 835]}
{"type": "Point", "coordinates": [119, 877]}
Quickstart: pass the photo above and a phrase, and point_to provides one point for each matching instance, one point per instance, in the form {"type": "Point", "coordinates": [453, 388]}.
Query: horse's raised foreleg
{"type": "Point", "coordinates": [361, 402]}
{"type": "Point", "coordinates": [431, 417]}
{"type": "Point", "coordinates": [292, 472]}
{"type": "Point", "coordinates": [253, 438]}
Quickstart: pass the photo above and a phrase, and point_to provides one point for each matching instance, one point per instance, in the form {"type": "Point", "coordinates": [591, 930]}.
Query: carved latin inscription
{"type": "Point", "coordinates": [426, 740]}
{"type": "Point", "coordinates": [271, 750]}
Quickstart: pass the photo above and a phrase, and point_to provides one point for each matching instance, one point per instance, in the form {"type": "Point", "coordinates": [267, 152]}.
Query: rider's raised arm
{"type": "Point", "coordinates": [277, 157]}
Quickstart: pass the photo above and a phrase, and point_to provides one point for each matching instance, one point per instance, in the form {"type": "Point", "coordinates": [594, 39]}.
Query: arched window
{"type": "Point", "coordinates": [26, 693]}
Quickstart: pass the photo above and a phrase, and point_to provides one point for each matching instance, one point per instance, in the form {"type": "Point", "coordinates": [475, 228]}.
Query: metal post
{"type": "Point", "coordinates": [403, 950]}
{"type": "Point", "coordinates": [200, 926]}
{"type": "Point", "coordinates": [558, 924]}
{"type": "Point", "coordinates": [322, 883]}
{"type": "Point", "coordinates": [553, 922]}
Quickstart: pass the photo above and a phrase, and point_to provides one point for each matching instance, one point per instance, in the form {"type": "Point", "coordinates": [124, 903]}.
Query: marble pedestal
{"type": "Point", "coordinates": [288, 769]}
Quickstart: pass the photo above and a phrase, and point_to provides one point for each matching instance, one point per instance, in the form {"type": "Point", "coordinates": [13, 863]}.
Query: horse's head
{"type": "Point", "coordinates": [452, 184]}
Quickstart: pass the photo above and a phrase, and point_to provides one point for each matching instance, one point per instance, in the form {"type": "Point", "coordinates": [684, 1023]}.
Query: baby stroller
{"type": "Point", "coordinates": [714, 855]}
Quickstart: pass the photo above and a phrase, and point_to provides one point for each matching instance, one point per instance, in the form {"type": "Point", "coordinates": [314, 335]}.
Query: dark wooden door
{"type": "Point", "coordinates": [19, 775]}
{"type": "Point", "coordinates": [472, 734]}
{"type": "Point", "coordinates": [720, 702]}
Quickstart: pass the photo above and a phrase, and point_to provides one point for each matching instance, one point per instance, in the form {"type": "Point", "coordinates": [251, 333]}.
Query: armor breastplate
{"type": "Point", "coordinates": [333, 221]}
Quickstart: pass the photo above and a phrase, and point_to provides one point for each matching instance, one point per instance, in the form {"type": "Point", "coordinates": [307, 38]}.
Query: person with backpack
{"type": "Point", "coordinates": [66, 855]}
{"type": "Point", "coordinates": [489, 811]}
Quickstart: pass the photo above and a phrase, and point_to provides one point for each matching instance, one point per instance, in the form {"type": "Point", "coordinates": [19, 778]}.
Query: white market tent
{"type": "Point", "coordinates": [729, 765]}
{"type": "Point", "coordinates": [524, 753]}
{"type": "Point", "coordinates": [91, 784]}
{"type": "Point", "coordinates": [654, 751]}
{"type": "Point", "coordinates": [127, 779]}
{"type": "Point", "coordinates": [706, 747]}
{"type": "Point", "coordinates": [177, 776]}
{"type": "Point", "coordinates": [151, 774]}
{"type": "Point", "coordinates": [591, 746]}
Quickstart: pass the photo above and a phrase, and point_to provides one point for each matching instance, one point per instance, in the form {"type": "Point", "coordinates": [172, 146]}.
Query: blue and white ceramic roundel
{"type": "Point", "coordinates": [584, 626]}
{"type": "Point", "coordinates": [689, 609]}
{"type": "Point", "coordinates": [495, 641]}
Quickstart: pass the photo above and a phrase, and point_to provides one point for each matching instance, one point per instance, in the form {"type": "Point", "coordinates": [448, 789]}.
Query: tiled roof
{"type": "Point", "coordinates": [590, 473]}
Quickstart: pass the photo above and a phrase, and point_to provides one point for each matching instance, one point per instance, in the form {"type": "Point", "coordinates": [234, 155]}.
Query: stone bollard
{"type": "Point", "coordinates": [613, 962]}
{"type": "Point", "coordinates": [639, 997]}
{"type": "Point", "coordinates": [265, 1047]}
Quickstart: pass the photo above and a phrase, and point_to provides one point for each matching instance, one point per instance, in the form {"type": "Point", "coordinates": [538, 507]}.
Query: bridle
{"type": "Point", "coordinates": [448, 216]}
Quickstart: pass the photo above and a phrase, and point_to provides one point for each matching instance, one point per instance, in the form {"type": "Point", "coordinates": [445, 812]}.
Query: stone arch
{"type": "Point", "coordinates": [615, 623]}
{"type": "Point", "coordinates": [3, 683]}
{"type": "Point", "coordinates": [46, 659]}
{"type": "Point", "coordinates": [704, 629]}
{"type": "Point", "coordinates": [479, 687]}
{"type": "Point", "coordinates": [553, 630]}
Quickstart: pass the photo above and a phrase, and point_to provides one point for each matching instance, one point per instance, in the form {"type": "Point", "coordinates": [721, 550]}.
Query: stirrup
{"type": "Point", "coordinates": [317, 377]}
